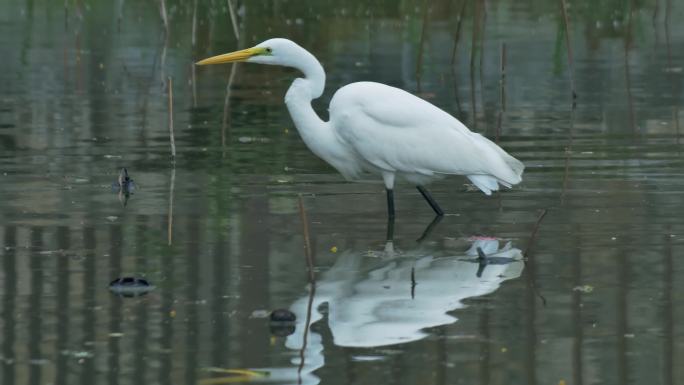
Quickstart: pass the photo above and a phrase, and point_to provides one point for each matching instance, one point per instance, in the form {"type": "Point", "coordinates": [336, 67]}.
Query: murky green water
{"type": "Point", "coordinates": [84, 92]}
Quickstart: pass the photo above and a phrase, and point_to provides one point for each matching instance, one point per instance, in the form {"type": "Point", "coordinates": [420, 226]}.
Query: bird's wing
{"type": "Point", "coordinates": [397, 131]}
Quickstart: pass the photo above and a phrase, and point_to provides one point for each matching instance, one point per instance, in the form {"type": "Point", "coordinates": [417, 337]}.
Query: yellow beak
{"type": "Point", "coordinates": [241, 55]}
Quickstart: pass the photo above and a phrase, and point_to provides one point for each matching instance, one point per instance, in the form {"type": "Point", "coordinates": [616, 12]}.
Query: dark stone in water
{"type": "Point", "coordinates": [283, 316]}
{"type": "Point", "coordinates": [130, 286]}
{"type": "Point", "coordinates": [282, 322]}
{"type": "Point", "coordinates": [282, 329]}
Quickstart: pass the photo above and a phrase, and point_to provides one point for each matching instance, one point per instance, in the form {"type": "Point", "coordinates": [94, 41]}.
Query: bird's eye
{"type": "Point", "coordinates": [268, 50]}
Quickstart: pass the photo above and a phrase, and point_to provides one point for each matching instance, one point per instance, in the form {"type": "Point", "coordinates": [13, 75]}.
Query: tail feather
{"type": "Point", "coordinates": [517, 166]}
{"type": "Point", "coordinates": [507, 170]}
{"type": "Point", "coordinates": [485, 183]}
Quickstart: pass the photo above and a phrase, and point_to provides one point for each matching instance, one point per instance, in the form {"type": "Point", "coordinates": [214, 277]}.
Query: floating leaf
{"type": "Point", "coordinates": [583, 288]}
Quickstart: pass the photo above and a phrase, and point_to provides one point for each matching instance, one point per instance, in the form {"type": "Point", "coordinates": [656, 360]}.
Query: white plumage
{"type": "Point", "coordinates": [396, 132]}
{"type": "Point", "coordinates": [381, 129]}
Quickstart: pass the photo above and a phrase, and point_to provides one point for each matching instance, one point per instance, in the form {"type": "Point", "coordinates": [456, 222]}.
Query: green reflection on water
{"type": "Point", "coordinates": [84, 94]}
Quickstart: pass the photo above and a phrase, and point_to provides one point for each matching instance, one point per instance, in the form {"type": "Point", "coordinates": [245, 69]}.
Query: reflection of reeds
{"type": "Point", "coordinates": [457, 38]}
{"type": "Point", "coordinates": [66, 15]}
{"type": "Point", "coordinates": [668, 12]}
{"type": "Point", "coordinates": [421, 47]}
{"type": "Point", "coordinates": [226, 104]}
{"type": "Point", "coordinates": [654, 20]}
{"type": "Point", "coordinates": [503, 77]}
{"type": "Point", "coordinates": [312, 282]}
{"type": "Point", "coordinates": [173, 159]}
{"type": "Point", "coordinates": [483, 14]}
{"type": "Point", "coordinates": [533, 235]}
{"type": "Point", "coordinates": [628, 78]}
{"type": "Point", "coordinates": [169, 227]}
{"type": "Point", "coordinates": [457, 33]}
{"type": "Point", "coordinates": [622, 309]}
{"type": "Point", "coordinates": [119, 17]}
{"type": "Point", "coordinates": [9, 298]}
{"type": "Point", "coordinates": [675, 116]}
{"type": "Point", "coordinates": [473, 103]}
{"type": "Point", "coordinates": [307, 242]}
{"type": "Point", "coordinates": [568, 155]}
{"type": "Point", "coordinates": [530, 261]}
{"type": "Point", "coordinates": [578, 339]}
{"type": "Point", "coordinates": [502, 93]}
{"type": "Point", "coordinates": [668, 322]}
{"type": "Point", "coordinates": [231, 79]}
{"type": "Point", "coordinates": [193, 73]}
{"type": "Point", "coordinates": [171, 133]}
{"type": "Point", "coordinates": [566, 25]}
{"type": "Point", "coordinates": [473, 52]}
{"type": "Point", "coordinates": [307, 324]}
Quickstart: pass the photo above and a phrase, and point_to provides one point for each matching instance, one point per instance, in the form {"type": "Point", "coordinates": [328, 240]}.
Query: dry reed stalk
{"type": "Point", "coordinates": [233, 19]}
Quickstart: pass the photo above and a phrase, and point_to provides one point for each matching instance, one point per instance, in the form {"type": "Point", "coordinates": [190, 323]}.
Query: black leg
{"type": "Point", "coordinates": [438, 210]}
{"type": "Point", "coordinates": [390, 229]}
{"type": "Point", "coordinates": [390, 215]}
{"type": "Point", "coordinates": [390, 204]}
{"type": "Point", "coordinates": [429, 228]}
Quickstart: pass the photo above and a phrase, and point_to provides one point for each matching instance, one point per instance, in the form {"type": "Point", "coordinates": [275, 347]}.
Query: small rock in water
{"type": "Point", "coordinates": [282, 322]}
{"type": "Point", "coordinates": [130, 286]}
{"type": "Point", "coordinates": [283, 315]}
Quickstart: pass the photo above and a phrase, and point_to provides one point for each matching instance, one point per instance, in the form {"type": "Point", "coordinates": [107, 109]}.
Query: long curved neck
{"type": "Point", "coordinates": [313, 72]}
{"type": "Point", "coordinates": [316, 133]}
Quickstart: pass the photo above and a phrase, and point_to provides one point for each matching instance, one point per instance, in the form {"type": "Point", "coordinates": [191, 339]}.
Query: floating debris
{"type": "Point", "coordinates": [253, 139]}
{"type": "Point", "coordinates": [124, 183]}
{"type": "Point", "coordinates": [77, 354]}
{"type": "Point", "coordinates": [232, 376]}
{"type": "Point", "coordinates": [124, 186]}
{"type": "Point", "coordinates": [130, 287]}
{"type": "Point", "coordinates": [583, 288]}
{"type": "Point", "coordinates": [259, 314]}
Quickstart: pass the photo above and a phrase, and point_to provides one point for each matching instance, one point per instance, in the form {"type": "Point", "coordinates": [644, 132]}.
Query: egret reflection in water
{"type": "Point", "coordinates": [370, 301]}
{"type": "Point", "coordinates": [371, 306]}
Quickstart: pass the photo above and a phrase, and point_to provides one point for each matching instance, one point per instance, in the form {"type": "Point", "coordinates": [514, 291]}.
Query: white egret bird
{"type": "Point", "coordinates": [381, 129]}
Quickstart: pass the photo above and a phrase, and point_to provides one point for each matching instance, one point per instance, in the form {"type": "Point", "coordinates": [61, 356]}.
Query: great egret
{"type": "Point", "coordinates": [381, 129]}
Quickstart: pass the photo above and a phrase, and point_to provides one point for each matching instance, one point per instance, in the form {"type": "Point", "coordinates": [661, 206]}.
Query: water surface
{"type": "Point", "coordinates": [219, 234]}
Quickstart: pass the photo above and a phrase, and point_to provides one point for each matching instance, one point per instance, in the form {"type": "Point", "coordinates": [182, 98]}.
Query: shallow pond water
{"type": "Point", "coordinates": [219, 236]}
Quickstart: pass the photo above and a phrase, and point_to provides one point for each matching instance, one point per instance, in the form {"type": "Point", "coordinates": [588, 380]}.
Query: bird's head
{"type": "Point", "coordinates": [273, 51]}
